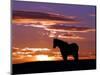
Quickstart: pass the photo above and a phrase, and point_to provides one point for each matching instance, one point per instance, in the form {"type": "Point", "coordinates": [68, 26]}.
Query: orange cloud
{"type": "Point", "coordinates": [31, 55]}
{"type": "Point", "coordinates": [34, 54]}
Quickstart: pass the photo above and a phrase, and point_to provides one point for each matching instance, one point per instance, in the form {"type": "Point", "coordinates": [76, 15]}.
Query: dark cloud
{"type": "Point", "coordinates": [40, 15]}
{"type": "Point", "coordinates": [70, 28]}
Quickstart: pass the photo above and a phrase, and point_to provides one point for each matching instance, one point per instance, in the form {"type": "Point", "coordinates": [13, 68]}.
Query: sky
{"type": "Point", "coordinates": [36, 24]}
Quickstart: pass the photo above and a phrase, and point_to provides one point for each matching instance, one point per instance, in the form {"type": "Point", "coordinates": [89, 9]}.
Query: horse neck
{"type": "Point", "coordinates": [64, 44]}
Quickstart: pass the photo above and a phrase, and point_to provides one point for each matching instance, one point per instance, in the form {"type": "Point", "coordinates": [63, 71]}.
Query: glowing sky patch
{"type": "Point", "coordinates": [43, 58]}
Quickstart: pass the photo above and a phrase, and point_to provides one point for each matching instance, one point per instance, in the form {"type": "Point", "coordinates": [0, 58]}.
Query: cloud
{"type": "Point", "coordinates": [55, 24]}
{"type": "Point", "coordinates": [41, 18]}
{"type": "Point", "coordinates": [66, 35]}
{"type": "Point", "coordinates": [36, 26]}
{"type": "Point", "coordinates": [48, 21]}
{"type": "Point", "coordinates": [59, 30]}
{"type": "Point", "coordinates": [31, 53]}
{"type": "Point", "coordinates": [36, 49]}
{"type": "Point", "coordinates": [92, 15]}
{"type": "Point", "coordinates": [68, 32]}
{"type": "Point", "coordinates": [70, 37]}
{"type": "Point", "coordinates": [62, 28]}
{"type": "Point", "coordinates": [40, 15]}
{"type": "Point", "coordinates": [15, 49]}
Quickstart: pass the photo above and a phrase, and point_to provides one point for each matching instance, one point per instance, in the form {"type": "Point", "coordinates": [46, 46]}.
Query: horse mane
{"type": "Point", "coordinates": [58, 40]}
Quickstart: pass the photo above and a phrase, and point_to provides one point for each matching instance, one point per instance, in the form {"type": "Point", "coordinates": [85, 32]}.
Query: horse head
{"type": "Point", "coordinates": [54, 43]}
{"type": "Point", "coordinates": [57, 42]}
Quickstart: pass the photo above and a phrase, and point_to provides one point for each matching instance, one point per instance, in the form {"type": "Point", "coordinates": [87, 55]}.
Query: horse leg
{"type": "Point", "coordinates": [75, 56]}
{"type": "Point", "coordinates": [64, 56]}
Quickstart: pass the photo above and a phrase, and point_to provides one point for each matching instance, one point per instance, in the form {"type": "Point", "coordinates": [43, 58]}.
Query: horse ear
{"type": "Point", "coordinates": [55, 38]}
{"type": "Point", "coordinates": [54, 43]}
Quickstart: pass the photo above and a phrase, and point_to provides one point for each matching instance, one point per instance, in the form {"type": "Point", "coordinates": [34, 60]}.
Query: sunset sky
{"type": "Point", "coordinates": [34, 25]}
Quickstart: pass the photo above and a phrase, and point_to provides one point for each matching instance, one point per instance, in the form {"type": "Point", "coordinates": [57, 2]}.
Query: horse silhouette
{"type": "Point", "coordinates": [66, 49]}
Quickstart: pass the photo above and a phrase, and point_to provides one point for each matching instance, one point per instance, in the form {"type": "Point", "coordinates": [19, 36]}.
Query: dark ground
{"type": "Point", "coordinates": [53, 66]}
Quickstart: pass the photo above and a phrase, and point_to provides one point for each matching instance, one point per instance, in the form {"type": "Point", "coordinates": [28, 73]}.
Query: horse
{"type": "Point", "coordinates": [66, 49]}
